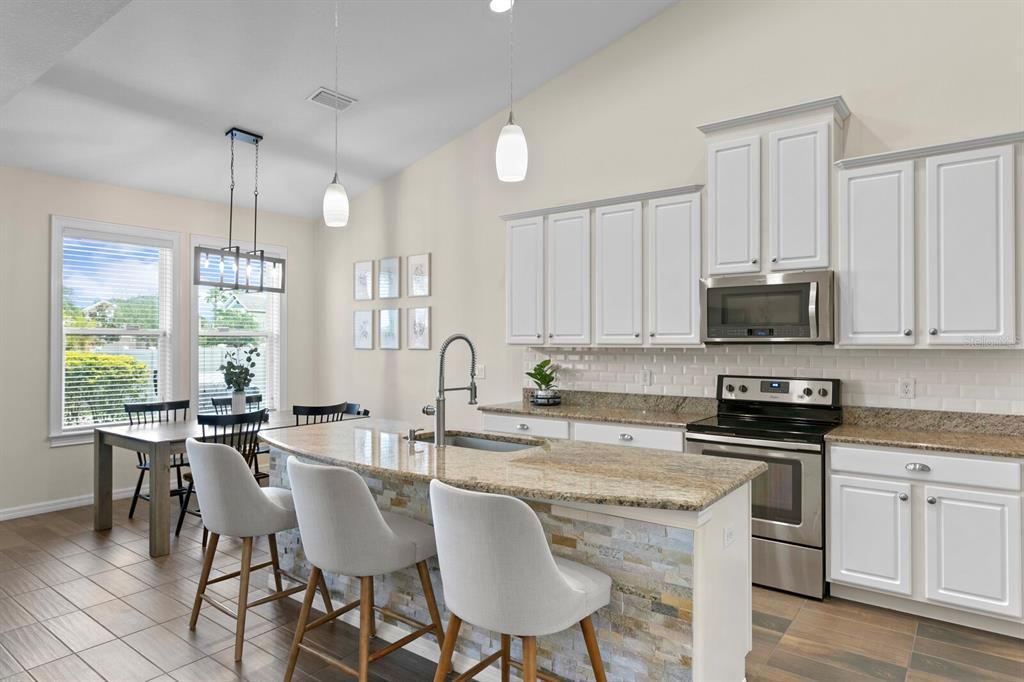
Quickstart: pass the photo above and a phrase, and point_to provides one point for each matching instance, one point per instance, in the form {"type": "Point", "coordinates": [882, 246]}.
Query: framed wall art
{"type": "Point", "coordinates": [418, 329]}
{"type": "Point", "coordinates": [362, 329]}
{"type": "Point", "coordinates": [389, 278]}
{"type": "Point", "coordinates": [363, 280]}
{"type": "Point", "coordinates": [388, 331]}
{"type": "Point", "coordinates": [417, 275]}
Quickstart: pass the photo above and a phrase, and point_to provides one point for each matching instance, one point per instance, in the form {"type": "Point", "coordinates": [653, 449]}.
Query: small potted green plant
{"type": "Point", "coordinates": [238, 373]}
{"type": "Point", "coordinates": [543, 376]}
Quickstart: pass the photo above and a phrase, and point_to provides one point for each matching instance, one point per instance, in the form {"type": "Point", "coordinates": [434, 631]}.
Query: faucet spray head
{"type": "Point", "coordinates": [472, 391]}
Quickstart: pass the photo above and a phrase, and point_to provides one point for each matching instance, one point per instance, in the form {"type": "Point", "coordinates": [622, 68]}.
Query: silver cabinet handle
{"type": "Point", "coordinates": [917, 466]}
{"type": "Point", "coordinates": [523, 427]}
{"type": "Point", "coordinates": [625, 436]}
{"type": "Point", "coordinates": [903, 497]}
{"type": "Point", "coordinates": [932, 500]}
{"type": "Point", "coordinates": [907, 332]}
{"type": "Point", "coordinates": [933, 331]}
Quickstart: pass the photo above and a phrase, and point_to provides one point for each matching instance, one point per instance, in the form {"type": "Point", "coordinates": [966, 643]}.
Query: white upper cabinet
{"type": "Point", "coordinates": [673, 270]}
{"type": "Point", "coordinates": [798, 197]}
{"type": "Point", "coordinates": [973, 549]}
{"type": "Point", "coordinates": [524, 284]}
{"type": "Point", "coordinates": [734, 205]}
{"type": "Point", "coordinates": [618, 277]}
{"type": "Point", "coordinates": [568, 278]}
{"type": "Point", "coordinates": [876, 255]}
{"type": "Point", "coordinates": [970, 257]}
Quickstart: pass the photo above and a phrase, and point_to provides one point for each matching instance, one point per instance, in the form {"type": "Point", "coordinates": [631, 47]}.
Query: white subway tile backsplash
{"type": "Point", "coordinates": [970, 380]}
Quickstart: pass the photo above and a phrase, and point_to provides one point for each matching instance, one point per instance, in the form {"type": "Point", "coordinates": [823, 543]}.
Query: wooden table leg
{"type": "Point", "coordinates": [160, 500]}
{"type": "Point", "coordinates": [103, 483]}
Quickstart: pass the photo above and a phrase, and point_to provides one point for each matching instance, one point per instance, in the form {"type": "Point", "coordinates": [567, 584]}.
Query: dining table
{"type": "Point", "coordinates": [159, 442]}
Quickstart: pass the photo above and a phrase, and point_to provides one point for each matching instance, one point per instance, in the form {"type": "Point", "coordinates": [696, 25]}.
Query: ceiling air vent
{"type": "Point", "coordinates": [331, 99]}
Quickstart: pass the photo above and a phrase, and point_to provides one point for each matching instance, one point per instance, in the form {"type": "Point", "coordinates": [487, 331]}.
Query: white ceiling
{"type": "Point", "coordinates": [144, 100]}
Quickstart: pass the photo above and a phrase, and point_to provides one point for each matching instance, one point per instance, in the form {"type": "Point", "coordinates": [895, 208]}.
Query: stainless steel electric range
{"type": "Point", "coordinates": [782, 422]}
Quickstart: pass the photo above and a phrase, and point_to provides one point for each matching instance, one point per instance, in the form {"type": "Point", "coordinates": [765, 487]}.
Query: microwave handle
{"type": "Point", "coordinates": [812, 310]}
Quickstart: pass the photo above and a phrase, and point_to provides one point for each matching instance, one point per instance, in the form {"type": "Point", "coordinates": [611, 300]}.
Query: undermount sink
{"type": "Point", "coordinates": [481, 441]}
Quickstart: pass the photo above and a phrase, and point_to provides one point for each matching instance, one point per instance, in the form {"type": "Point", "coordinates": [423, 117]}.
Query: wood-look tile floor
{"type": "Point", "coordinates": [82, 605]}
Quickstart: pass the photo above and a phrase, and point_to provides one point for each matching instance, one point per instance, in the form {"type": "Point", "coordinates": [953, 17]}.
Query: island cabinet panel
{"type": "Point", "coordinates": [526, 426]}
{"type": "Point", "coordinates": [568, 278]}
{"type": "Point", "coordinates": [970, 257]}
{"type": "Point", "coordinates": [973, 549]}
{"type": "Point", "coordinates": [618, 277]}
{"type": "Point", "coordinates": [524, 289]}
{"type": "Point", "coordinates": [870, 531]}
{"type": "Point", "coordinates": [734, 205]}
{"type": "Point", "coordinates": [673, 270]}
{"type": "Point", "coordinates": [798, 197]}
{"type": "Point", "coordinates": [876, 255]}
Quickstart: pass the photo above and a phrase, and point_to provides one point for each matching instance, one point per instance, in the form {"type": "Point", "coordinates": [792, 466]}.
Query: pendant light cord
{"type": "Point", "coordinates": [231, 201]}
{"type": "Point", "coordinates": [336, 41]}
{"type": "Point", "coordinates": [511, 43]}
{"type": "Point", "coordinates": [256, 196]}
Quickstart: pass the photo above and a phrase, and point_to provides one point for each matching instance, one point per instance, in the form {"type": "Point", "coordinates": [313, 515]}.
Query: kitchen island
{"type": "Point", "coordinates": [672, 530]}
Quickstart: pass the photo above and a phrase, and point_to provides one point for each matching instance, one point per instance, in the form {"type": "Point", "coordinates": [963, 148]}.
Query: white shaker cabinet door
{"type": "Point", "coordinates": [618, 280]}
{"type": "Point", "coordinates": [870, 533]}
{"type": "Point", "coordinates": [568, 281]}
{"type": "Point", "coordinates": [876, 255]}
{"type": "Point", "coordinates": [798, 197]}
{"type": "Point", "coordinates": [734, 206]}
{"type": "Point", "coordinates": [969, 229]}
{"type": "Point", "coordinates": [524, 286]}
{"type": "Point", "coordinates": [973, 549]}
{"type": "Point", "coordinates": [673, 270]}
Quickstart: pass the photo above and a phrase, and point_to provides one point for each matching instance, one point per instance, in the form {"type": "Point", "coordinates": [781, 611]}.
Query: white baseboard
{"type": "Point", "coordinates": [56, 505]}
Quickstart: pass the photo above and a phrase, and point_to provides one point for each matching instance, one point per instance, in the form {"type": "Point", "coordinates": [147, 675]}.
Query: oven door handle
{"type": "Point", "coordinates": [760, 444]}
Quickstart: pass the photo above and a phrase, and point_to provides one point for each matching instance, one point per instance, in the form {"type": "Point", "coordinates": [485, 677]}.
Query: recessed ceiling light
{"type": "Point", "coordinates": [500, 6]}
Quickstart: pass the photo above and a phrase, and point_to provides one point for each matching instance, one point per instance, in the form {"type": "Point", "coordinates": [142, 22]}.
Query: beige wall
{"type": "Point", "coordinates": [624, 121]}
{"type": "Point", "coordinates": [31, 472]}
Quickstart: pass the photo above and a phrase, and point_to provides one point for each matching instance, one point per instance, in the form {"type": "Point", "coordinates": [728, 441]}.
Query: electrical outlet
{"type": "Point", "coordinates": [907, 388]}
{"type": "Point", "coordinates": [481, 371]}
{"type": "Point", "coordinates": [728, 536]}
{"type": "Point", "coordinates": [646, 377]}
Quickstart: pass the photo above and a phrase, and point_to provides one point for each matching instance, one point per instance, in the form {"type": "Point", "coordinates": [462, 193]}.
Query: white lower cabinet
{"type": "Point", "coordinates": [627, 435]}
{"type": "Point", "coordinates": [870, 522]}
{"type": "Point", "coordinates": [973, 549]}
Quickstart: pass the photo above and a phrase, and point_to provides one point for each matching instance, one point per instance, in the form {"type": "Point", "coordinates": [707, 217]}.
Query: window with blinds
{"type": "Point", "coordinates": [230, 320]}
{"type": "Point", "coordinates": [116, 317]}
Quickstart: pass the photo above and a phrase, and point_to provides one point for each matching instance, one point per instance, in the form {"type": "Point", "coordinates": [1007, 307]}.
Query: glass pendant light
{"type": "Point", "coordinates": [511, 156]}
{"type": "Point", "coordinates": [335, 196]}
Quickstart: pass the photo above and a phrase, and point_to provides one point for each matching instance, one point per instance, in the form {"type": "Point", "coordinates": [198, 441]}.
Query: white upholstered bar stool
{"type": "Point", "coordinates": [499, 574]}
{"type": "Point", "coordinates": [344, 532]}
{"type": "Point", "coordinates": [235, 505]}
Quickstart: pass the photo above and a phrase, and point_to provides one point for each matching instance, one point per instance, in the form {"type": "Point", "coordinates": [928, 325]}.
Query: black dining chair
{"type": "Point", "coordinates": [241, 432]}
{"type": "Point", "coordinates": [157, 413]}
{"type": "Point", "coordinates": [318, 414]}
{"type": "Point", "coordinates": [355, 409]}
{"type": "Point", "coordinates": [223, 405]}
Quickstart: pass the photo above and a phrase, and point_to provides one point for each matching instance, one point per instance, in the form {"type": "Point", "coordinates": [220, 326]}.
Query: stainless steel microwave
{"type": "Point", "coordinates": [784, 307]}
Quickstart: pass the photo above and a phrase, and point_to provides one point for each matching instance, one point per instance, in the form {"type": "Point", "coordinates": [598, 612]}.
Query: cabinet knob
{"type": "Point", "coordinates": [626, 437]}
{"type": "Point", "coordinates": [538, 336]}
{"type": "Point", "coordinates": [652, 335]}
{"type": "Point", "coordinates": [550, 335]}
{"type": "Point", "coordinates": [917, 466]}
{"type": "Point", "coordinates": [932, 500]}
{"type": "Point", "coordinates": [775, 260]}
{"type": "Point", "coordinates": [933, 331]}
{"type": "Point", "coordinates": [903, 497]}
{"type": "Point", "coordinates": [907, 332]}
{"type": "Point", "coordinates": [636, 335]}
{"type": "Point", "coordinates": [754, 261]}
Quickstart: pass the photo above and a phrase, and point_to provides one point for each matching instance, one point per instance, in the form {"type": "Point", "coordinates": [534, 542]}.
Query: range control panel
{"type": "Point", "coordinates": [778, 390]}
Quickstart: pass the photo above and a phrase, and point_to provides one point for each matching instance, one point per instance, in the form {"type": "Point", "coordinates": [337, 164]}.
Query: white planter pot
{"type": "Point", "coordinates": [238, 402]}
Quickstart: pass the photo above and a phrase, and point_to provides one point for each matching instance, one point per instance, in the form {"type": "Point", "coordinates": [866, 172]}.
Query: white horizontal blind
{"type": "Point", "coordinates": [233, 319]}
{"type": "Point", "coordinates": [117, 314]}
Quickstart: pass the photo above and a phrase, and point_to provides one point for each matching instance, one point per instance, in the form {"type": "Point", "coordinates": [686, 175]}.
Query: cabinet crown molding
{"type": "Point", "coordinates": [643, 196]}
{"type": "Point", "coordinates": [838, 104]}
{"type": "Point", "coordinates": [930, 150]}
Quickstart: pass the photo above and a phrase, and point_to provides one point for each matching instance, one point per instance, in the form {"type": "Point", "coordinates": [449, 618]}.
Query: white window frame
{"type": "Point", "coordinates": [59, 226]}
{"type": "Point", "coordinates": [282, 380]}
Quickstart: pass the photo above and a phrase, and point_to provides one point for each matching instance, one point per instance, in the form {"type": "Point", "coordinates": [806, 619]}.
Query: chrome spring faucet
{"type": "Point", "coordinates": [437, 409]}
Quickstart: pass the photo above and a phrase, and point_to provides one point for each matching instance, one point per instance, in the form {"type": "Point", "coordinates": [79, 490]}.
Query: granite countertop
{"type": "Point", "coordinates": [995, 445]}
{"type": "Point", "coordinates": [551, 470]}
{"type": "Point", "coordinates": [597, 413]}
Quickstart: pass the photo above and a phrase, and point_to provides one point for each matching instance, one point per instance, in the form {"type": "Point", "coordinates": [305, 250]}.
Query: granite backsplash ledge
{"type": "Point", "coordinates": [633, 401]}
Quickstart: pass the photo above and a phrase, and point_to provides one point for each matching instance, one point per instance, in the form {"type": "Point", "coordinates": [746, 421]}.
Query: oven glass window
{"type": "Point", "coordinates": [776, 494]}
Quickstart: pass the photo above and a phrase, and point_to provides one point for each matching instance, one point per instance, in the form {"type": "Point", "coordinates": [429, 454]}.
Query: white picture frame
{"type": "Point", "coordinates": [389, 277]}
{"type": "Point", "coordinates": [362, 280]}
{"type": "Point", "coordinates": [418, 328]}
{"type": "Point", "coordinates": [417, 275]}
{"type": "Point", "coordinates": [362, 329]}
{"type": "Point", "coordinates": [389, 329]}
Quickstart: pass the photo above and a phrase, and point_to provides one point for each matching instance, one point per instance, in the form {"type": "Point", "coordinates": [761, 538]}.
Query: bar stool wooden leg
{"type": "Point", "coordinates": [243, 597]}
{"type": "Point", "coordinates": [315, 577]}
{"type": "Point", "coordinates": [373, 615]}
{"type": "Point", "coordinates": [444, 661]}
{"type": "Point", "coordinates": [428, 594]}
{"type": "Point", "coordinates": [506, 657]}
{"type": "Point", "coordinates": [365, 625]}
{"type": "Point", "coordinates": [272, 540]}
{"type": "Point", "coordinates": [324, 594]}
{"type": "Point", "coordinates": [590, 637]}
{"type": "Point", "coordinates": [204, 577]}
{"type": "Point", "coordinates": [529, 659]}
